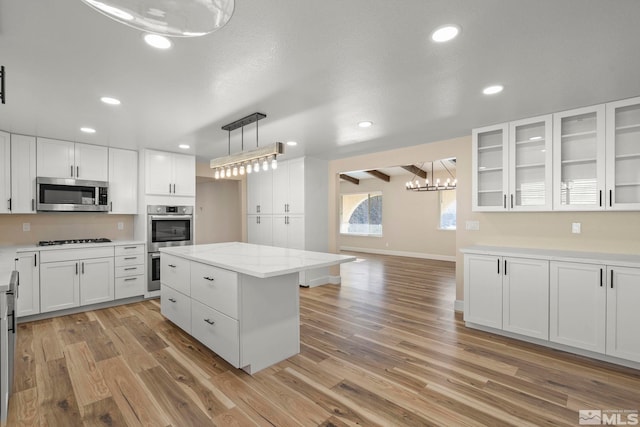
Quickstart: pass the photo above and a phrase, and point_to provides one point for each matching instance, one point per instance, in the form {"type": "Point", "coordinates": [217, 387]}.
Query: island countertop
{"type": "Point", "coordinates": [257, 260]}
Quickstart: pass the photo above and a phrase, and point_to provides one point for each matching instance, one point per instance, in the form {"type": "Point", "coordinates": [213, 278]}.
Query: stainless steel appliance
{"type": "Point", "coordinates": [7, 343]}
{"type": "Point", "coordinates": [71, 195]}
{"type": "Point", "coordinates": [166, 226]}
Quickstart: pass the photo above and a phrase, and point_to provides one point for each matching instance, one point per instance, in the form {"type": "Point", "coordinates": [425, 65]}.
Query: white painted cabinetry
{"type": "Point", "coordinates": [123, 181]}
{"type": "Point", "coordinates": [64, 159]}
{"type": "Point", "coordinates": [129, 271]}
{"type": "Point", "coordinates": [169, 174]}
{"type": "Point", "coordinates": [5, 173]}
{"type": "Point", "coordinates": [288, 187]}
{"type": "Point", "coordinates": [260, 229]}
{"type": "Point", "coordinates": [23, 174]}
{"type": "Point", "coordinates": [623, 315]}
{"type": "Point", "coordinates": [288, 231]}
{"type": "Point", "coordinates": [28, 267]}
{"type": "Point", "coordinates": [483, 290]}
{"type": "Point", "coordinates": [59, 285]}
{"type": "Point", "coordinates": [260, 192]}
{"type": "Point", "coordinates": [96, 280]}
{"type": "Point", "coordinates": [489, 160]}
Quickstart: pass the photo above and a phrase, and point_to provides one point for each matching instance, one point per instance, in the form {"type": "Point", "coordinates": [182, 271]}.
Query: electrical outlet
{"type": "Point", "coordinates": [473, 225]}
{"type": "Point", "coordinates": [26, 226]}
{"type": "Point", "coordinates": [575, 227]}
{"type": "Point", "coordinates": [120, 225]}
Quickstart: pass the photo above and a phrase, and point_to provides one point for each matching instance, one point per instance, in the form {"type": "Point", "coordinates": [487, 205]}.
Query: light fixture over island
{"type": "Point", "coordinates": [240, 300]}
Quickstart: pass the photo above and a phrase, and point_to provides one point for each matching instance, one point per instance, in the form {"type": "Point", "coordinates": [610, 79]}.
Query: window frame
{"type": "Point", "coordinates": [369, 194]}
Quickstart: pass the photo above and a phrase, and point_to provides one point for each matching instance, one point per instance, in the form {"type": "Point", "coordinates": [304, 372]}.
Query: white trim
{"type": "Point", "coordinates": [323, 280]}
{"type": "Point", "coordinates": [79, 309]}
{"type": "Point", "coordinates": [400, 253]}
{"type": "Point", "coordinates": [458, 306]}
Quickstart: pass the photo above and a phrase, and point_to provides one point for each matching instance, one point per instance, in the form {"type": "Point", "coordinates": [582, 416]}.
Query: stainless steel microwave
{"type": "Point", "coordinates": [71, 195]}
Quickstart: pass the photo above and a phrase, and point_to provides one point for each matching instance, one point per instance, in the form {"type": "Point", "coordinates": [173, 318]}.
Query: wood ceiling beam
{"type": "Point", "coordinates": [379, 175]}
{"type": "Point", "coordinates": [416, 171]}
{"type": "Point", "coordinates": [351, 179]}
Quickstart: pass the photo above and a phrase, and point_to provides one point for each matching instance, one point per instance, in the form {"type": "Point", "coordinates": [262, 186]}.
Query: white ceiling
{"type": "Point", "coordinates": [316, 68]}
{"type": "Point", "coordinates": [445, 166]}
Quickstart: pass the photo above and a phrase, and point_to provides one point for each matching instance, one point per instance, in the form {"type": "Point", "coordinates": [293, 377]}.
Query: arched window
{"type": "Point", "coordinates": [362, 214]}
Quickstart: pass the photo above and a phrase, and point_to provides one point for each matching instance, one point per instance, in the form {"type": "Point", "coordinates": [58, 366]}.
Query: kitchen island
{"type": "Point", "coordinates": [240, 300]}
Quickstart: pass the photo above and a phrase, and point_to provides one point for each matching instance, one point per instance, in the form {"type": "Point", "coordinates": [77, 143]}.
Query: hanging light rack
{"type": "Point", "coordinates": [435, 184]}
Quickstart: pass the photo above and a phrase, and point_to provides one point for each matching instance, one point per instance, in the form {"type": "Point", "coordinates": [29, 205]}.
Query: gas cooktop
{"type": "Point", "coordinates": [73, 241]}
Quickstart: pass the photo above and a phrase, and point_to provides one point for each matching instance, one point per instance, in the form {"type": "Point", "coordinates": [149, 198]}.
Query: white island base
{"type": "Point", "coordinates": [252, 322]}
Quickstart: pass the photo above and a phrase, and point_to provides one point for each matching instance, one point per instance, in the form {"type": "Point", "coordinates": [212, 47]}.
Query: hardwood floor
{"type": "Point", "coordinates": [385, 348]}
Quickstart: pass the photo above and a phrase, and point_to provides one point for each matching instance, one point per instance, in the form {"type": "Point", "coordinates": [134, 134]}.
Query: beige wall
{"type": "Point", "coordinates": [601, 231]}
{"type": "Point", "coordinates": [218, 211]}
{"type": "Point", "coordinates": [410, 220]}
{"type": "Point", "coordinates": [63, 225]}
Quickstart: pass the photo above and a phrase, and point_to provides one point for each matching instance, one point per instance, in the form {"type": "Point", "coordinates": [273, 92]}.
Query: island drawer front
{"type": "Point", "coordinates": [131, 270]}
{"type": "Point", "coordinates": [215, 287]}
{"type": "Point", "coordinates": [130, 250]}
{"type": "Point", "coordinates": [217, 331]}
{"type": "Point", "coordinates": [56, 255]}
{"type": "Point", "coordinates": [176, 307]}
{"type": "Point", "coordinates": [174, 272]}
{"type": "Point", "coordinates": [131, 259]}
{"type": "Point", "coordinates": [131, 286]}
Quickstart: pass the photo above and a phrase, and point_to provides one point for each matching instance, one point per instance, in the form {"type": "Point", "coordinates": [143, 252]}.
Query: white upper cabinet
{"type": "Point", "coordinates": [260, 192]}
{"type": "Point", "coordinates": [489, 165]}
{"type": "Point", "coordinates": [23, 174]}
{"type": "Point", "coordinates": [579, 159]}
{"type": "Point", "coordinates": [123, 181]}
{"type": "Point", "coordinates": [288, 187]}
{"type": "Point", "coordinates": [623, 155]}
{"type": "Point", "coordinates": [170, 174]}
{"type": "Point", "coordinates": [64, 159]}
{"type": "Point", "coordinates": [530, 160]}
{"type": "Point", "coordinates": [5, 173]}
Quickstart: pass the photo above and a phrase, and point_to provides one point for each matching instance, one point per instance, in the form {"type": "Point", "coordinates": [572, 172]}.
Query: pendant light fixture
{"type": "Point", "coordinates": [183, 18]}
{"type": "Point", "coordinates": [251, 161]}
{"type": "Point", "coordinates": [435, 184]}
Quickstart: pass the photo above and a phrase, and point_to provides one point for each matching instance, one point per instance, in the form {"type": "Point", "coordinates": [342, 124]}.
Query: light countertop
{"type": "Point", "coordinates": [257, 260]}
{"type": "Point", "coordinates": [621, 260]}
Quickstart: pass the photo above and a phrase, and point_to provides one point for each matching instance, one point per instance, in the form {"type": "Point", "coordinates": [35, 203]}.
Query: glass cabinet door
{"type": "Point", "coordinates": [623, 155]}
{"type": "Point", "coordinates": [489, 162]}
{"type": "Point", "coordinates": [530, 154]}
{"type": "Point", "coordinates": [579, 153]}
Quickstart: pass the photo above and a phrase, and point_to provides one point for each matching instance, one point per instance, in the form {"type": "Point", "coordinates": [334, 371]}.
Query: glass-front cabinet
{"type": "Point", "coordinates": [489, 164]}
{"type": "Point", "coordinates": [530, 157]}
{"type": "Point", "coordinates": [579, 159]}
{"type": "Point", "coordinates": [623, 155]}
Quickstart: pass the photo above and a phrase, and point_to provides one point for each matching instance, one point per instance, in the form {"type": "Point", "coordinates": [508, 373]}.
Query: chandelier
{"type": "Point", "coordinates": [246, 161]}
{"type": "Point", "coordinates": [435, 185]}
{"type": "Point", "coordinates": [183, 18]}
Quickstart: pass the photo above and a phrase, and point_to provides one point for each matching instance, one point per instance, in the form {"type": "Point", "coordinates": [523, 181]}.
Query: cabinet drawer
{"type": "Point", "coordinates": [132, 270]}
{"type": "Point", "coordinates": [129, 250]}
{"type": "Point", "coordinates": [126, 287]}
{"type": "Point", "coordinates": [216, 331]}
{"type": "Point", "coordinates": [174, 272]}
{"type": "Point", "coordinates": [175, 307]}
{"type": "Point", "coordinates": [215, 287]}
{"type": "Point", "coordinates": [56, 255]}
{"type": "Point", "coordinates": [129, 260]}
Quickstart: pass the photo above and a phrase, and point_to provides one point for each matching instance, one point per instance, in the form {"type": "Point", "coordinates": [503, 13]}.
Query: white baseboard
{"type": "Point", "coordinates": [458, 305]}
{"type": "Point", "coordinates": [400, 253]}
{"type": "Point", "coordinates": [323, 280]}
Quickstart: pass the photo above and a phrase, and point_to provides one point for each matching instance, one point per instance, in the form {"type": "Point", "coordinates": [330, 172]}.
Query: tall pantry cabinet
{"type": "Point", "coordinates": [287, 207]}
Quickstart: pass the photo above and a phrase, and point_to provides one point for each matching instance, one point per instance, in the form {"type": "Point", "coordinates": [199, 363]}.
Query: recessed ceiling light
{"type": "Point", "coordinates": [365, 124]}
{"type": "Point", "coordinates": [157, 41]}
{"type": "Point", "coordinates": [445, 33]}
{"type": "Point", "coordinates": [184, 146]}
{"type": "Point", "coordinates": [110, 101]}
{"type": "Point", "coordinates": [88, 130]}
{"type": "Point", "coordinates": [292, 143]}
{"type": "Point", "coordinates": [492, 90]}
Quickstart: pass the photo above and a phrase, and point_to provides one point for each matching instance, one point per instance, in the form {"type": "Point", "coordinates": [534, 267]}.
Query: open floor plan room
{"type": "Point", "coordinates": [383, 348]}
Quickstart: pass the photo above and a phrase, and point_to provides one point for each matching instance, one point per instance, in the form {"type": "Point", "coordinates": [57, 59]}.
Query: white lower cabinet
{"type": "Point", "coordinates": [28, 267]}
{"type": "Point", "coordinates": [59, 285]}
{"type": "Point", "coordinates": [259, 229]}
{"type": "Point", "coordinates": [175, 306]}
{"type": "Point", "coordinates": [623, 315]}
{"type": "Point", "coordinates": [96, 280]}
{"type": "Point", "coordinates": [288, 231]}
{"type": "Point", "coordinates": [508, 293]}
{"type": "Point", "coordinates": [129, 271]}
{"type": "Point", "coordinates": [217, 331]}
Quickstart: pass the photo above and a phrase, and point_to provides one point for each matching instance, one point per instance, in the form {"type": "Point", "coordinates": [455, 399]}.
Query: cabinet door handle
{"type": "Point", "coordinates": [174, 189]}
{"type": "Point", "coordinates": [211, 279]}
{"type": "Point", "coordinates": [130, 268]}
{"type": "Point", "coordinates": [129, 247]}
{"type": "Point", "coordinates": [130, 279]}
{"type": "Point", "coordinates": [258, 220]}
{"type": "Point", "coordinates": [610, 198]}
{"type": "Point", "coordinates": [498, 266]}
{"type": "Point", "coordinates": [601, 281]}
{"type": "Point", "coordinates": [71, 171]}
{"type": "Point", "coordinates": [9, 204]}
{"type": "Point", "coordinates": [505, 267]}
{"type": "Point", "coordinates": [77, 171]}
{"type": "Point", "coordinates": [169, 188]}
{"type": "Point", "coordinates": [82, 267]}
{"type": "Point", "coordinates": [600, 197]}
{"type": "Point", "coordinates": [131, 257]}
{"type": "Point", "coordinates": [612, 279]}
{"type": "Point", "coordinates": [258, 208]}
{"type": "Point", "coordinates": [512, 201]}
{"type": "Point", "coordinates": [504, 203]}
{"type": "Point", "coordinates": [172, 300]}
{"type": "Point", "coordinates": [76, 268]}
{"type": "Point", "coordinates": [35, 260]}
{"type": "Point", "coordinates": [209, 321]}
{"type": "Point", "coordinates": [33, 204]}
{"type": "Point", "coordinates": [172, 266]}
{"type": "Point", "coordinates": [110, 206]}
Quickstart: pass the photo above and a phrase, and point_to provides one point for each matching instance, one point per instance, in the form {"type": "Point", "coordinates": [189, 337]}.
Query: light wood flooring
{"type": "Point", "coordinates": [385, 348]}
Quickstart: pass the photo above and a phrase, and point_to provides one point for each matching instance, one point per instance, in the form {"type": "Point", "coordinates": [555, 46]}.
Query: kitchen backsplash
{"type": "Point", "coordinates": [67, 225]}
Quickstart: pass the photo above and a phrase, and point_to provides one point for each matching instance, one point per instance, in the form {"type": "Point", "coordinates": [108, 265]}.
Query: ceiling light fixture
{"type": "Point", "coordinates": [435, 185]}
{"type": "Point", "coordinates": [88, 130]}
{"type": "Point", "coordinates": [445, 33]}
{"type": "Point", "coordinates": [292, 143]}
{"type": "Point", "coordinates": [365, 124]}
{"type": "Point", "coordinates": [110, 101]}
{"type": "Point", "coordinates": [265, 155]}
{"type": "Point", "coordinates": [184, 146]}
{"type": "Point", "coordinates": [159, 42]}
{"type": "Point", "coordinates": [184, 18]}
{"type": "Point", "coordinates": [492, 90]}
